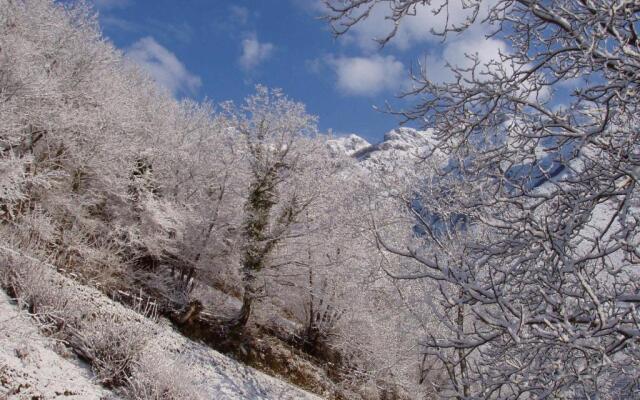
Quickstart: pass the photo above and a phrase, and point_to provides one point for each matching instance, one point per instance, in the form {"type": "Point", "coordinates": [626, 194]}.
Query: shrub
{"type": "Point", "coordinates": [112, 345]}
{"type": "Point", "coordinates": [34, 289]}
{"type": "Point", "coordinates": [157, 376]}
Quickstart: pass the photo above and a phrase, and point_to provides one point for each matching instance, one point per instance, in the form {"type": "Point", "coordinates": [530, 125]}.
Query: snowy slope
{"type": "Point", "coordinates": [215, 375]}
{"type": "Point", "coordinates": [29, 366]}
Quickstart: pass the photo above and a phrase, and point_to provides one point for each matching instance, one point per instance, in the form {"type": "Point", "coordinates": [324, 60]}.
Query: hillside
{"type": "Point", "coordinates": [35, 366]}
{"type": "Point", "coordinates": [38, 365]}
{"type": "Point", "coordinates": [156, 246]}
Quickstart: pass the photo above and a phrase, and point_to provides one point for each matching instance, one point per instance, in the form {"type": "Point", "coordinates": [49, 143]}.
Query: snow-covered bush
{"type": "Point", "coordinates": [112, 344]}
{"type": "Point", "coordinates": [31, 284]}
{"type": "Point", "coordinates": [156, 376]}
{"type": "Point", "coordinates": [117, 346]}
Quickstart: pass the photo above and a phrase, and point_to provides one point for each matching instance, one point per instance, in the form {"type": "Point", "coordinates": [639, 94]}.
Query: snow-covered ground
{"type": "Point", "coordinates": [28, 362]}
{"type": "Point", "coordinates": [31, 369]}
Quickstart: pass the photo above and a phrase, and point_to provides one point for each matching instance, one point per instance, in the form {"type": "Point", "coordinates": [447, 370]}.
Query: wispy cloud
{"type": "Point", "coordinates": [163, 66]}
{"type": "Point", "coordinates": [314, 7]}
{"type": "Point", "coordinates": [238, 14]}
{"type": "Point", "coordinates": [111, 4]}
{"type": "Point", "coordinates": [112, 22]}
{"type": "Point", "coordinates": [367, 76]}
{"type": "Point", "coordinates": [234, 19]}
{"type": "Point", "coordinates": [179, 31]}
{"type": "Point", "coordinates": [254, 52]}
{"type": "Point", "coordinates": [315, 66]}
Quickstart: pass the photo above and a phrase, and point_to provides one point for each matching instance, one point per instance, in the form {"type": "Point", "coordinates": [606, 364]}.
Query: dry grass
{"type": "Point", "coordinates": [118, 348]}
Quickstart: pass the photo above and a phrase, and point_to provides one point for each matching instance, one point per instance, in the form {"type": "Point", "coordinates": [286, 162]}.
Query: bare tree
{"type": "Point", "coordinates": [535, 238]}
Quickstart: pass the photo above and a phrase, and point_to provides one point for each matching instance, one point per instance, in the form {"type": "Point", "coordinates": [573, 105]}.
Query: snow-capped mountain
{"type": "Point", "coordinates": [349, 145]}
{"type": "Point", "coordinates": [399, 143]}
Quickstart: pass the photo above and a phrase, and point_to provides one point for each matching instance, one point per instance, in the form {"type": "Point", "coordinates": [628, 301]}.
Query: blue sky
{"type": "Point", "coordinates": [219, 49]}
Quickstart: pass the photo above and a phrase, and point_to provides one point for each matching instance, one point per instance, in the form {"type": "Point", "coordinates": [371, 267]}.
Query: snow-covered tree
{"type": "Point", "coordinates": [286, 174]}
{"type": "Point", "coordinates": [531, 231]}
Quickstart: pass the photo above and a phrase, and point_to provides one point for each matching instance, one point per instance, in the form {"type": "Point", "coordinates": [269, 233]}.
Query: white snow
{"type": "Point", "coordinates": [349, 145]}
{"type": "Point", "coordinates": [216, 375]}
{"type": "Point", "coordinates": [29, 366]}
{"type": "Point", "coordinates": [399, 143]}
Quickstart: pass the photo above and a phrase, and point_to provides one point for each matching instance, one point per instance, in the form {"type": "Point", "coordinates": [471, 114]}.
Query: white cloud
{"type": "Point", "coordinates": [489, 52]}
{"type": "Point", "coordinates": [415, 28]}
{"type": "Point", "coordinates": [110, 4]}
{"type": "Point", "coordinates": [367, 76]}
{"type": "Point", "coordinates": [371, 74]}
{"type": "Point", "coordinates": [456, 54]}
{"type": "Point", "coordinates": [163, 66]}
{"type": "Point", "coordinates": [254, 52]}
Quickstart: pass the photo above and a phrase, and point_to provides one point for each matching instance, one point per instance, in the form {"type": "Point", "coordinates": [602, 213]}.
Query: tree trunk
{"type": "Point", "coordinates": [461, 355]}
{"type": "Point", "coordinates": [245, 312]}
{"type": "Point", "coordinates": [261, 200]}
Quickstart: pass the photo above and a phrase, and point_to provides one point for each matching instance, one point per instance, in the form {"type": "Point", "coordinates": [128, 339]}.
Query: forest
{"type": "Point", "coordinates": [493, 253]}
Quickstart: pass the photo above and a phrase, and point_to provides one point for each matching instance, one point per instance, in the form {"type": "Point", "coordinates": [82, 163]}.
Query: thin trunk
{"type": "Point", "coordinates": [311, 308]}
{"type": "Point", "coordinates": [212, 224]}
{"type": "Point", "coordinates": [461, 355]}
{"type": "Point", "coordinates": [245, 312]}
